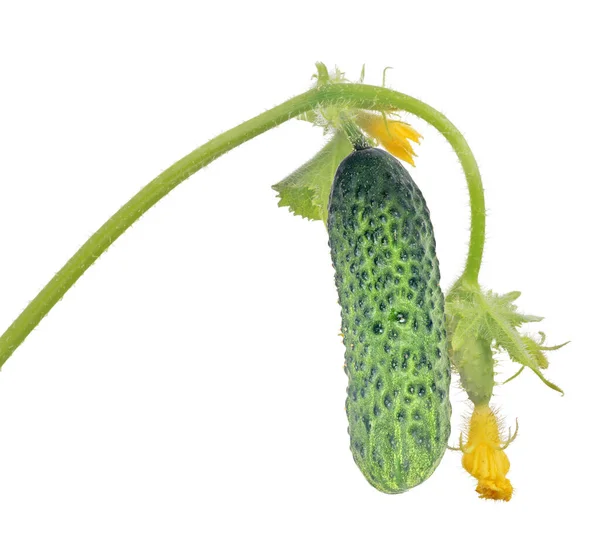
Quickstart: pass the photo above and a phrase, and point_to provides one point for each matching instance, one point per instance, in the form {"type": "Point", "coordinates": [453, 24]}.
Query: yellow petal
{"type": "Point", "coordinates": [484, 457]}
{"type": "Point", "coordinates": [400, 150]}
{"type": "Point", "coordinates": [407, 130]}
{"type": "Point", "coordinates": [392, 134]}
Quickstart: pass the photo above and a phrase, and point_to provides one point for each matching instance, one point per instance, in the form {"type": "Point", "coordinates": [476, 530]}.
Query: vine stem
{"type": "Point", "coordinates": [351, 95]}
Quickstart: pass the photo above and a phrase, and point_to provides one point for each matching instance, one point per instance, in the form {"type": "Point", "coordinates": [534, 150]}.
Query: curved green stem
{"type": "Point", "coordinates": [352, 95]}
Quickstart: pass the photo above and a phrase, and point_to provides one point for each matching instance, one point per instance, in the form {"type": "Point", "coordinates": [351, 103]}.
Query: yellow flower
{"type": "Point", "coordinates": [392, 134]}
{"type": "Point", "coordinates": [484, 457]}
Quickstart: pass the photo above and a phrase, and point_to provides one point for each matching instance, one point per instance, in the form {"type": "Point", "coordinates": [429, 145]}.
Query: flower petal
{"type": "Point", "coordinates": [392, 134]}
{"type": "Point", "coordinates": [484, 456]}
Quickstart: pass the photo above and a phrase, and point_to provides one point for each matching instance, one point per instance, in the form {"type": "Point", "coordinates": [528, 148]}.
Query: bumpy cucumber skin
{"type": "Point", "coordinates": [387, 276]}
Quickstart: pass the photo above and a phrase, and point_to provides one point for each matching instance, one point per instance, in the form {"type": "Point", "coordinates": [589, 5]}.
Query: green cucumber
{"type": "Point", "coordinates": [393, 326]}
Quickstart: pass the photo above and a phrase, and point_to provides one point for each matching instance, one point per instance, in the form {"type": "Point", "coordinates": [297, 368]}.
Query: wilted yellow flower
{"type": "Point", "coordinates": [392, 134]}
{"type": "Point", "coordinates": [484, 457]}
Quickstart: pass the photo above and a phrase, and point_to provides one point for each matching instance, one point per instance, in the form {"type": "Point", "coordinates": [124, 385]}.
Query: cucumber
{"type": "Point", "coordinates": [393, 326]}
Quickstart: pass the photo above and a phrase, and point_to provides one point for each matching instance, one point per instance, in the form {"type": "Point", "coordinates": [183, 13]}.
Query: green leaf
{"type": "Point", "coordinates": [306, 190]}
{"type": "Point", "coordinates": [466, 327]}
{"type": "Point", "coordinates": [322, 75]}
{"type": "Point", "coordinates": [474, 314]}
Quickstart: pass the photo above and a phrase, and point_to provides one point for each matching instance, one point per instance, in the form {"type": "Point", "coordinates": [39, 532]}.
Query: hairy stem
{"type": "Point", "coordinates": [352, 95]}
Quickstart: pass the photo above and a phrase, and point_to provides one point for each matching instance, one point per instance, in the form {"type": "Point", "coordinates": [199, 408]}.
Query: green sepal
{"type": "Point", "coordinates": [477, 316]}
{"type": "Point", "coordinates": [306, 191]}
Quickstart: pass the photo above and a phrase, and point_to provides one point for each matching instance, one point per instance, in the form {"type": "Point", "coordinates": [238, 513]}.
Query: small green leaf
{"type": "Point", "coordinates": [322, 75]}
{"type": "Point", "coordinates": [466, 327]}
{"type": "Point", "coordinates": [547, 382]}
{"type": "Point", "coordinates": [306, 191]}
{"type": "Point", "coordinates": [554, 348]}
{"type": "Point", "coordinates": [300, 201]}
{"type": "Point", "coordinates": [514, 375]}
{"type": "Point", "coordinates": [476, 314]}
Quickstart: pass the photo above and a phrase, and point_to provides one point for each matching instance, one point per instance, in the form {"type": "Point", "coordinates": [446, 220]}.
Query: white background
{"type": "Point", "coordinates": [188, 393]}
